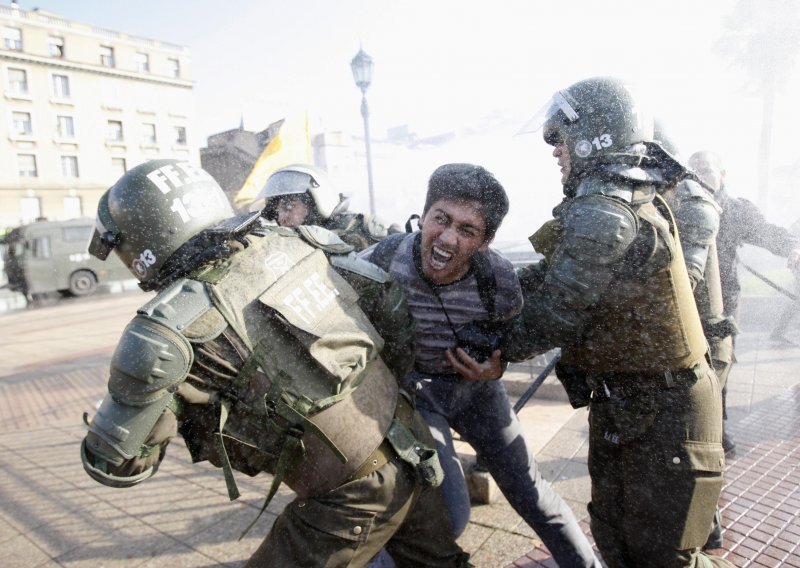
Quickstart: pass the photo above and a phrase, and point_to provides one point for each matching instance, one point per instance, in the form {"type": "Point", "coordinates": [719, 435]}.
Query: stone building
{"type": "Point", "coordinates": [80, 105]}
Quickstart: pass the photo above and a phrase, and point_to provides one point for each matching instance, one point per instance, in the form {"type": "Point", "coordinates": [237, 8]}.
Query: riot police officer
{"type": "Point", "coordinates": [301, 194]}
{"type": "Point", "coordinates": [614, 294]}
{"type": "Point", "coordinates": [268, 349]}
{"type": "Point", "coordinates": [741, 222]}
{"type": "Point", "coordinates": [697, 217]}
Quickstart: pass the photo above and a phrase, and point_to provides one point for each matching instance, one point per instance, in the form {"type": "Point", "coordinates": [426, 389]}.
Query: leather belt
{"type": "Point", "coordinates": [624, 384]}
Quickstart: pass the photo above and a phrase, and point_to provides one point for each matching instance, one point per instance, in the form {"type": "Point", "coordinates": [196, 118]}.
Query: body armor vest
{"type": "Point", "coordinates": [647, 320]}
{"type": "Point", "coordinates": [287, 376]}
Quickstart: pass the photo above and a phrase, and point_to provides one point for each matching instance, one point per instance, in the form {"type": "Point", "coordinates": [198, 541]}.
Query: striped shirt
{"type": "Point", "coordinates": [460, 299]}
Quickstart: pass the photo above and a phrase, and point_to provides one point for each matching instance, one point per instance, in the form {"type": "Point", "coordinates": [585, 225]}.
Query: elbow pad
{"type": "Point", "coordinates": [150, 361]}
{"type": "Point", "coordinates": [698, 224]}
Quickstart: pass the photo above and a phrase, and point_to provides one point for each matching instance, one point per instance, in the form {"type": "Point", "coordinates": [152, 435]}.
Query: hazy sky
{"type": "Point", "coordinates": [469, 66]}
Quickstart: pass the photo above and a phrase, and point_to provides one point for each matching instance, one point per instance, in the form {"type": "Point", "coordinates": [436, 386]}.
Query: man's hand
{"type": "Point", "coordinates": [471, 370]}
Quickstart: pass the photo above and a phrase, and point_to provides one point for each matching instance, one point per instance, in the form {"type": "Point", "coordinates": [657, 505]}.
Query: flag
{"type": "Point", "coordinates": [291, 145]}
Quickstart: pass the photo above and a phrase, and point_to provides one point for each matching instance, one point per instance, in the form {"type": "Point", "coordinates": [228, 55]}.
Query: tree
{"type": "Point", "coordinates": [762, 37]}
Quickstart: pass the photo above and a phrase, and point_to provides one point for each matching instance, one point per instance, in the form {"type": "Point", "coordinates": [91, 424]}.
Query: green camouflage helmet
{"type": "Point", "coordinates": [297, 179]}
{"type": "Point", "coordinates": [154, 209]}
{"type": "Point", "coordinates": [597, 119]}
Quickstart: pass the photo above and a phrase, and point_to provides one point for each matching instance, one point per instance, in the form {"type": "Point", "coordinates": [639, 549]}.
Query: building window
{"type": "Point", "coordinates": [17, 81]}
{"type": "Point", "coordinates": [65, 126]}
{"type": "Point", "coordinates": [69, 166]}
{"type": "Point", "coordinates": [106, 56]}
{"type": "Point", "coordinates": [148, 133]}
{"type": "Point", "coordinates": [72, 210]}
{"type": "Point", "coordinates": [12, 38]}
{"type": "Point", "coordinates": [61, 87]}
{"type": "Point", "coordinates": [118, 167]}
{"type": "Point", "coordinates": [26, 165]}
{"type": "Point", "coordinates": [180, 135]}
{"type": "Point", "coordinates": [21, 123]}
{"type": "Point", "coordinates": [30, 209]}
{"type": "Point", "coordinates": [115, 130]}
{"type": "Point", "coordinates": [174, 67]}
{"type": "Point", "coordinates": [142, 62]}
{"type": "Point", "coordinates": [55, 45]}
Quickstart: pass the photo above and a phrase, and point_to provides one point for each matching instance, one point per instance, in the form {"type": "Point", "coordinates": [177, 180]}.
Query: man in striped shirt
{"type": "Point", "coordinates": [460, 293]}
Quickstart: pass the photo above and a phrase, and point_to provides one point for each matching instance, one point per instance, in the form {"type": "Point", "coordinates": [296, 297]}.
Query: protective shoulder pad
{"type": "Point", "coordinates": [599, 186]}
{"type": "Point", "coordinates": [364, 268]}
{"type": "Point", "coordinates": [689, 189]}
{"type": "Point", "coordinates": [599, 229]}
{"type": "Point", "coordinates": [697, 220]}
{"type": "Point", "coordinates": [323, 239]}
{"type": "Point", "coordinates": [150, 358]}
{"type": "Point", "coordinates": [266, 227]}
{"type": "Point", "coordinates": [179, 304]}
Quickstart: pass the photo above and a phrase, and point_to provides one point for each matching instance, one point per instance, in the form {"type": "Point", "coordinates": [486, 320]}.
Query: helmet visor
{"type": "Point", "coordinates": [558, 102]}
{"type": "Point", "coordinates": [105, 236]}
{"type": "Point", "coordinates": [286, 183]}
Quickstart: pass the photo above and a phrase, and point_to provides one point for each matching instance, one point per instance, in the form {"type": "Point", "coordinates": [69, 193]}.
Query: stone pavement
{"type": "Point", "coordinates": [761, 499]}
{"type": "Point", "coordinates": [53, 368]}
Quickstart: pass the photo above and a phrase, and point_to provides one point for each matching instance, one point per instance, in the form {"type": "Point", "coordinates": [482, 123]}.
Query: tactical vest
{"type": "Point", "coordinates": [287, 361]}
{"type": "Point", "coordinates": [647, 320]}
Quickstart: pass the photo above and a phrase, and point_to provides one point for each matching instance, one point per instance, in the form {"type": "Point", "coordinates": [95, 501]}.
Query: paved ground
{"type": "Point", "coordinates": [53, 367]}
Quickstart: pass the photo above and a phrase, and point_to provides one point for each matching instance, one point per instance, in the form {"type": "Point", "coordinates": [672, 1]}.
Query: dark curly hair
{"type": "Point", "coordinates": [468, 182]}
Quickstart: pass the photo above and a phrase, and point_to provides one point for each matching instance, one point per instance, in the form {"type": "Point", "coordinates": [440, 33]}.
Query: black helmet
{"type": "Point", "coordinates": [154, 209]}
{"type": "Point", "coordinates": [661, 137]}
{"type": "Point", "coordinates": [598, 120]}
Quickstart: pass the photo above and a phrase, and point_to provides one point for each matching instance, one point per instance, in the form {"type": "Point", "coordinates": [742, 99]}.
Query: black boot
{"type": "Point", "coordinates": [727, 443]}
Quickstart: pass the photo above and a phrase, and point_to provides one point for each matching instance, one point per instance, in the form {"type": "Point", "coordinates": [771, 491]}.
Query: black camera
{"type": "Point", "coordinates": [478, 340]}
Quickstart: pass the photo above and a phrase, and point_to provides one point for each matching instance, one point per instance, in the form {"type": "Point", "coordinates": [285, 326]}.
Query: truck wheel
{"type": "Point", "coordinates": [82, 283]}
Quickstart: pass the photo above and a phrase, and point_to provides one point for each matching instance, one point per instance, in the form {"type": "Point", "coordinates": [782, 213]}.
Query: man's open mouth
{"type": "Point", "coordinates": [439, 257]}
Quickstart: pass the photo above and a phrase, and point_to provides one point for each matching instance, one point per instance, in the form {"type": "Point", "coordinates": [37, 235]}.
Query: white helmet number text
{"type": "Point", "coordinates": [145, 260]}
{"type": "Point", "coordinates": [197, 203]}
{"type": "Point", "coordinates": [602, 141]}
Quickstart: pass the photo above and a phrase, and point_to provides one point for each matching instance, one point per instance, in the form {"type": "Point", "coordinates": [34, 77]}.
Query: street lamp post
{"type": "Point", "coordinates": [362, 73]}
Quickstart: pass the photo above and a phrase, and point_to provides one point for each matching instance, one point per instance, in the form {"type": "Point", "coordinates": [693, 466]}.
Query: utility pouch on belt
{"type": "Point", "coordinates": [575, 384]}
{"type": "Point", "coordinates": [424, 459]}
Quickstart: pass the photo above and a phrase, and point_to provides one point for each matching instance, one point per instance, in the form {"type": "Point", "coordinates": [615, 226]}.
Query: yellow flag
{"type": "Point", "coordinates": [291, 145]}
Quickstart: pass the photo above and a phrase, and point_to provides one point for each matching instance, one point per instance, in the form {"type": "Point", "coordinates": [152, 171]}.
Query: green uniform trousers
{"type": "Point", "coordinates": [656, 464]}
{"type": "Point", "coordinates": [387, 508]}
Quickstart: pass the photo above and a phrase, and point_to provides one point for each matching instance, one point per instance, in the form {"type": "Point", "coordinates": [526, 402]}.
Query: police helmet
{"type": "Point", "coordinates": [664, 140]}
{"type": "Point", "coordinates": [154, 209]}
{"type": "Point", "coordinates": [297, 179]}
{"type": "Point", "coordinates": [598, 120]}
